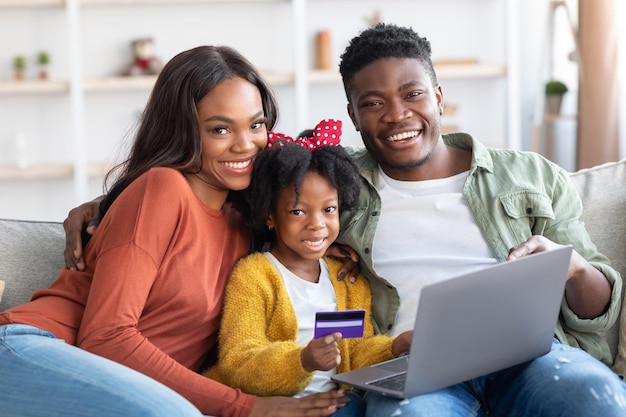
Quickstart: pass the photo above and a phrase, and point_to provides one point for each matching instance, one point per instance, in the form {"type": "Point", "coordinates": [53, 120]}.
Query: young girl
{"type": "Point", "coordinates": [127, 335]}
{"type": "Point", "coordinates": [266, 344]}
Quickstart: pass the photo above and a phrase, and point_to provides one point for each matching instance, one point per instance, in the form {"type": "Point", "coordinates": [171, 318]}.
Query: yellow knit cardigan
{"type": "Point", "coordinates": [258, 352]}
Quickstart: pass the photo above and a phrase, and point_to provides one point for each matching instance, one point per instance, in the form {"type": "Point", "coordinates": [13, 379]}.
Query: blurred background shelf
{"type": "Point", "coordinates": [31, 3]}
{"type": "Point", "coordinates": [149, 2]}
{"type": "Point", "coordinates": [86, 113]}
{"type": "Point", "coordinates": [134, 83]}
{"type": "Point", "coordinates": [34, 87]}
{"type": "Point", "coordinates": [48, 171]}
{"type": "Point", "coordinates": [60, 3]}
{"type": "Point", "coordinates": [444, 71]}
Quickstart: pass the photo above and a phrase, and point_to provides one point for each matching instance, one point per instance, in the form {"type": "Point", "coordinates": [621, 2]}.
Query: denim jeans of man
{"type": "Point", "coordinates": [41, 375]}
{"type": "Point", "coordinates": [565, 382]}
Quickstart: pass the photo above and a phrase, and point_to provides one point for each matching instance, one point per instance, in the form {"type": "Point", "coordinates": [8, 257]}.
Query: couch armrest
{"type": "Point", "coordinates": [31, 258]}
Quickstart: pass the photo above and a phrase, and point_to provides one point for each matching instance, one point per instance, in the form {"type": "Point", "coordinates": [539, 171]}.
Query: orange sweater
{"type": "Point", "coordinates": [156, 271]}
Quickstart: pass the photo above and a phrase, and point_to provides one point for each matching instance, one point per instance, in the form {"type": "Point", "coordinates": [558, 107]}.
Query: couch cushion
{"type": "Point", "coordinates": [31, 256]}
{"type": "Point", "coordinates": [603, 193]}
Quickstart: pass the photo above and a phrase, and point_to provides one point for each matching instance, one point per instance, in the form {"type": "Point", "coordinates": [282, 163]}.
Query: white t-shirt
{"type": "Point", "coordinates": [307, 299]}
{"type": "Point", "coordinates": [426, 233]}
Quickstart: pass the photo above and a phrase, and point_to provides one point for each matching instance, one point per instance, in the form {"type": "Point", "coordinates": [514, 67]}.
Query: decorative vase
{"type": "Point", "coordinates": [323, 55]}
{"type": "Point", "coordinates": [553, 103]}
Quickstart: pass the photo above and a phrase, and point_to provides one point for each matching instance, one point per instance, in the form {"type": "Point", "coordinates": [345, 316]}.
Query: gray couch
{"type": "Point", "coordinates": [31, 253]}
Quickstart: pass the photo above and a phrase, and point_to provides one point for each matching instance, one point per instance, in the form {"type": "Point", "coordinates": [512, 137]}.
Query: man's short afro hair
{"type": "Point", "coordinates": [382, 41]}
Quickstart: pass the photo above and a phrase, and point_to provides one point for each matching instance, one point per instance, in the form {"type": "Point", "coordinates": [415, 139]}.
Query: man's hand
{"type": "Point", "coordinates": [321, 354]}
{"type": "Point", "coordinates": [315, 405]}
{"type": "Point", "coordinates": [538, 243]}
{"type": "Point", "coordinates": [587, 290]}
{"type": "Point", "coordinates": [84, 217]}
{"type": "Point", "coordinates": [533, 244]}
{"type": "Point", "coordinates": [349, 258]}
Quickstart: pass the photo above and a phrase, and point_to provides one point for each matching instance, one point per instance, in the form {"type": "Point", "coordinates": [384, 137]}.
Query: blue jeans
{"type": "Point", "coordinates": [565, 382]}
{"type": "Point", "coordinates": [41, 375]}
{"type": "Point", "coordinates": [355, 408]}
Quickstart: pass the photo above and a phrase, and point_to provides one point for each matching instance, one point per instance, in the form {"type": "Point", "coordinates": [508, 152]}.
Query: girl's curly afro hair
{"type": "Point", "coordinates": [285, 165]}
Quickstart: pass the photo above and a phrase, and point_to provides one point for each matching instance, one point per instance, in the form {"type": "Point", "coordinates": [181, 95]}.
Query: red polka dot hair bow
{"type": "Point", "coordinates": [327, 132]}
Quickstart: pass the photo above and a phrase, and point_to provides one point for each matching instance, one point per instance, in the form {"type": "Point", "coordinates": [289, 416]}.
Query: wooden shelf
{"type": "Point", "coordinates": [146, 82]}
{"type": "Point", "coordinates": [277, 79]}
{"type": "Point", "coordinates": [36, 172]}
{"type": "Point", "coordinates": [139, 2]}
{"type": "Point", "coordinates": [134, 83]}
{"type": "Point", "coordinates": [31, 3]}
{"type": "Point", "coordinates": [324, 76]}
{"type": "Point", "coordinates": [60, 3]}
{"type": "Point", "coordinates": [553, 118]}
{"type": "Point", "coordinates": [108, 84]}
{"type": "Point", "coordinates": [34, 87]}
{"type": "Point", "coordinates": [448, 71]}
{"type": "Point", "coordinates": [470, 71]}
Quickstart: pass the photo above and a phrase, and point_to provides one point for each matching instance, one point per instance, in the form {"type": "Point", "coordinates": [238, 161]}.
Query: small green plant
{"type": "Point", "coordinates": [43, 58]}
{"type": "Point", "coordinates": [19, 63]}
{"type": "Point", "coordinates": [555, 87]}
{"type": "Point", "coordinates": [19, 66]}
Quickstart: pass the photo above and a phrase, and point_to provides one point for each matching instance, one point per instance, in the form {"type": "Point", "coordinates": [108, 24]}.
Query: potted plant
{"type": "Point", "coordinates": [43, 59]}
{"type": "Point", "coordinates": [19, 66]}
{"type": "Point", "coordinates": [555, 90]}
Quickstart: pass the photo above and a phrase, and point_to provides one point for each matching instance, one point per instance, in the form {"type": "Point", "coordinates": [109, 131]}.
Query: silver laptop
{"type": "Point", "coordinates": [475, 324]}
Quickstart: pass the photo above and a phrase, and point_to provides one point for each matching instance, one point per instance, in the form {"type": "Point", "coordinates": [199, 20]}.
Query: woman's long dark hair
{"type": "Point", "coordinates": [169, 134]}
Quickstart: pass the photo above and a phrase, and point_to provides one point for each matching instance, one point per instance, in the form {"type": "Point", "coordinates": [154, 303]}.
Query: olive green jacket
{"type": "Point", "coordinates": [512, 195]}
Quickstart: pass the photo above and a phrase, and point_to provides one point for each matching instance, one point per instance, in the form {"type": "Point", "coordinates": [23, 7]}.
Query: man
{"type": "Point", "coordinates": [436, 206]}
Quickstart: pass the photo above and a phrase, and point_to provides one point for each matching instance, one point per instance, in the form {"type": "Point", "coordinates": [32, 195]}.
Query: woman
{"type": "Point", "coordinates": [126, 335]}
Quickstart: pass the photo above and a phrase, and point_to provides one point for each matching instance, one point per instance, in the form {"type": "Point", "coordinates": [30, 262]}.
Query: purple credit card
{"type": "Point", "coordinates": [348, 322]}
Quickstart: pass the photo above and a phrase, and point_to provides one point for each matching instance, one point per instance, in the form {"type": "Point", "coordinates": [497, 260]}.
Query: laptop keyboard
{"type": "Point", "coordinates": [393, 382]}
